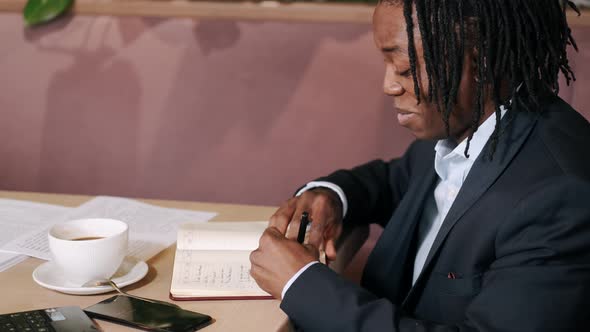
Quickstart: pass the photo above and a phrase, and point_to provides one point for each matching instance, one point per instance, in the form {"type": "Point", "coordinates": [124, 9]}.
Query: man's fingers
{"type": "Point", "coordinates": [282, 217]}
{"type": "Point", "coordinates": [293, 230]}
{"type": "Point", "coordinates": [269, 236]}
{"type": "Point", "coordinates": [316, 233]}
{"type": "Point", "coordinates": [254, 255]}
{"type": "Point", "coordinates": [321, 215]}
{"type": "Point", "coordinates": [273, 232]}
{"type": "Point", "coordinates": [256, 271]}
{"type": "Point", "coordinates": [330, 249]}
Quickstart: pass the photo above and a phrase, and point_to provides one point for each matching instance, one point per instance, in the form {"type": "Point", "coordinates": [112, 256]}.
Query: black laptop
{"type": "Point", "coordinates": [62, 319]}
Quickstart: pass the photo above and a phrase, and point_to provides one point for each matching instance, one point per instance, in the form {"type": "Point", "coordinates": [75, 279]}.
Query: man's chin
{"type": "Point", "coordinates": [425, 135]}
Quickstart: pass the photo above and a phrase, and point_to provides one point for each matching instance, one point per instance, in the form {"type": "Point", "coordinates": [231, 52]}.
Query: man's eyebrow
{"type": "Point", "coordinates": [393, 49]}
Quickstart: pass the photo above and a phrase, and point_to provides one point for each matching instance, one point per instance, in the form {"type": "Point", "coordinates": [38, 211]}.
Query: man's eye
{"type": "Point", "coordinates": [407, 73]}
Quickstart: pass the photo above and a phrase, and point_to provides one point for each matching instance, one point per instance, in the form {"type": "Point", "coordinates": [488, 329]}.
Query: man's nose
{"type": "Point", "coordinates": [391, 84]}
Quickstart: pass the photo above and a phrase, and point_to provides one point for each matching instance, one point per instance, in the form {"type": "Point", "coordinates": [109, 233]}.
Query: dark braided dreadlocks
{"type": "Point", "coordinates": [521, 47]}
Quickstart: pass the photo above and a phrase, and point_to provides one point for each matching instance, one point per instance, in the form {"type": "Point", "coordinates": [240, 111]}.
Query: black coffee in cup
{"type": "Point", "coordinates": [88, 238]}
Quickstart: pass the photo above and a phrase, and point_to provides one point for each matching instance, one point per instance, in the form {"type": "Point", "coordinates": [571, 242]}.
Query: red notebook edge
{"type": "Point", "coordinates": [220, 298]}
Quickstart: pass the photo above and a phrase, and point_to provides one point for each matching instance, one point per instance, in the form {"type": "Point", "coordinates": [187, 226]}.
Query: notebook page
{"type": "Point", "coordinates": [213, 273]}
{"type": "Point", "coordinates": [236, 235]}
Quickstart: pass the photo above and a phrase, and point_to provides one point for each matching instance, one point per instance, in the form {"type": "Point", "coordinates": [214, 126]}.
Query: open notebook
{"type": "Point", "coordinates": [212, 261]}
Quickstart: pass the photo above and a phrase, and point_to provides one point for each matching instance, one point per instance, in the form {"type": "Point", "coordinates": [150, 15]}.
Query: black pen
{"type": "Point", "coordinates": [302, 227]}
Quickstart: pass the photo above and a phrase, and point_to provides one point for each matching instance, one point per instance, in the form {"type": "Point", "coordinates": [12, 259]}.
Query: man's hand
{"type": "Point", "coordinates": [325, 211]}
{"type": "Point", "coordinates": [277, 259]}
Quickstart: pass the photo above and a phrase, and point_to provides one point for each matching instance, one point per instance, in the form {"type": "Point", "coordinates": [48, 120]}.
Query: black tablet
{"type": "Point", "coordinates": [150, 316]}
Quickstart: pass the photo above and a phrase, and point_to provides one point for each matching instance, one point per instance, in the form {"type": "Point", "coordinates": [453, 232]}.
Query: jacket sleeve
{"type": "Point", "coordinates": [539, 281]}
{"type": "Point", "coordinates": [373, 190]}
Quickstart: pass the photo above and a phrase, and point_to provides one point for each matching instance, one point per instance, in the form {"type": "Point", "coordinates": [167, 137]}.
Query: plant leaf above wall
{"type": "Point", "coordinates": [42, 11]}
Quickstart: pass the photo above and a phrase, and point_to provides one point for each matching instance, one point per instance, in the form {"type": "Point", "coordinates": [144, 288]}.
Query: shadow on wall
{"type": "Point", "coordinates": [234, 89]}
{"type": "Point", "coordinates": [216, 35]}
{"type": "Point", "coordinates": [97, 146]}
{"type": "Point", "coordinates": [241, 112]}
{"type": "Point", "coordinates": [90, 135]}
{"type": "Point", "coordinates": [576, 94]}
{"type": "Point", "coordinates": [204, 110]}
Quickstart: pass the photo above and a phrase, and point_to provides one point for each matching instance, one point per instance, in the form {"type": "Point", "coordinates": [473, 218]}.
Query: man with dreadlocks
{"type": "Point", "coordinates": [486, 217]}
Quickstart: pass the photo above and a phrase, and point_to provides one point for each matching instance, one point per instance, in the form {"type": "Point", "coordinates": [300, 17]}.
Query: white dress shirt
{"type": "Point", "coordinates": [452, 167]}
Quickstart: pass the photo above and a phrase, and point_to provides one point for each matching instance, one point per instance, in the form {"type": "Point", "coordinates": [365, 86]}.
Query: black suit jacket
{"type": "Point", "coordinates": [513, 253]}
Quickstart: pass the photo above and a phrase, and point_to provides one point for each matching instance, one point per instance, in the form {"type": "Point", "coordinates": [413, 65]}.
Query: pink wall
{"type": "Point", "coordinates": [241, 112]}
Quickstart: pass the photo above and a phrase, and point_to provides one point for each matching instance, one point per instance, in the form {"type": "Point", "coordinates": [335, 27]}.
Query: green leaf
{"type": "Point", "coordinates": [42, 11]}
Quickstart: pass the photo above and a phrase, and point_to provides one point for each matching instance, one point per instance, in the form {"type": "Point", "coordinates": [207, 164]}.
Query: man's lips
{"type": "Point", "coordinates": [404, 112]}
{"type": "Point", "coordinates": [404, 116]}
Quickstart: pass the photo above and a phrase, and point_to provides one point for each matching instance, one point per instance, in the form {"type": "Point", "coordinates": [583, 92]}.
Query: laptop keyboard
{"type": "Point", "coordinates": [29, 321]}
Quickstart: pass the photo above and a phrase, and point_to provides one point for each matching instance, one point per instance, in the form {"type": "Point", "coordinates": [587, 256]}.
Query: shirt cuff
{"type": "Point", "coordinates": [294, 277]}
{"type": "Point", "coordinates": [334, 187]}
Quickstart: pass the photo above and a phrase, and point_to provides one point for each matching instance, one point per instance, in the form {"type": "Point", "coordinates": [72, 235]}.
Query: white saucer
{"type": "Point", "coordinates": [48, 276]}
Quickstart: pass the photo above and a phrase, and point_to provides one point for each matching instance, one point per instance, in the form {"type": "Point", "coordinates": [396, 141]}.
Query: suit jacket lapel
{"type": "Point", "coordinates": [515, 127]}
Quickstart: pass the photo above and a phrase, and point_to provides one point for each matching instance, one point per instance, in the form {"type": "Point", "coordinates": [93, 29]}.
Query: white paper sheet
{"type": "Point", "coordinates": [22, 217]}
{"type": "Point", "coordinates": [8, 260]}
{"type": "Point", "coordinates": [151, 228]}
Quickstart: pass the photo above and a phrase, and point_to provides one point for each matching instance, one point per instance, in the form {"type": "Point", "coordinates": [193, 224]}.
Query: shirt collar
{"type": "Point", "coordinates": [448, 146]}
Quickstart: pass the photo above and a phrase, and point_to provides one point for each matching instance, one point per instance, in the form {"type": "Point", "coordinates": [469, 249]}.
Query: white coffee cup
{"type": "Point", "coordinates": [88, 249]}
